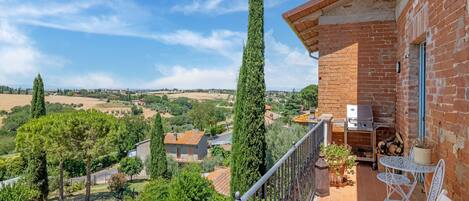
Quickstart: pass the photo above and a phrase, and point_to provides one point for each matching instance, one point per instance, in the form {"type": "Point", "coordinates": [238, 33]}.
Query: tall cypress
{"type": "Point", "coordinates": [248, 162]}
{"type": "Point", "coordinates": [158, 167]}
{"type": "Point", "coordinates": [38, 161]}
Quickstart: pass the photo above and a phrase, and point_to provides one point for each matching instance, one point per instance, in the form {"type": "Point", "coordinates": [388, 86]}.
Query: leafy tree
{"type": "Point", "coordinates": [91, 134]}
{"type": "Point", "coordinates": [279, 140]}
{"type": "Point", "coordinates": [135, 130]}
{"type": "Point", "coordinates": [292, 106]}
{"type": "Point", "coordinates": [309, 96]}
{"type": "Point", "coordinates": [157, 151]}
{"type": "Point", "coordinates": [37, 160]}
{"type": "Point", "coordinates": [205, 114]}
{"type": "Point", "coordinates": [157, 189]}
{"type": "Point", "coordinates": [131, 166]}
{"type": "Point", "coordinates": [136, 110]}
{"type": "Point", "coordinates": [190, 185]}
{"type": "Point", "coordinates": [38, 104]}
{"type": "Point", "coordinates": [248, 153]}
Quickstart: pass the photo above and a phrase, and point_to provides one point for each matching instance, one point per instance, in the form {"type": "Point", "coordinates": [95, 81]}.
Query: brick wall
{"type": "Point", "coordinates": [357, 66]}
{"type": "Point", "coordinates": [444, 25]}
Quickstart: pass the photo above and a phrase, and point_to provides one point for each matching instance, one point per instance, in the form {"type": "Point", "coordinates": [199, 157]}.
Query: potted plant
{"type": "Point", "coordinates": [422, 151]}
{"type": "Point", "coordinates": [340, 161]}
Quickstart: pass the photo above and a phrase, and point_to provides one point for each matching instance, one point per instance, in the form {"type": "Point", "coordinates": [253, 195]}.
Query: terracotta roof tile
{"type": "Point", "coordinates": [221, 180]}
{"type": "Point", "coordinates": [189, 137]}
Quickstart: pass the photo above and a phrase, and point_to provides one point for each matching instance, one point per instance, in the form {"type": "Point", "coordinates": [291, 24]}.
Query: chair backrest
{"type": "Point", "coordinates": [443, 196]}
{"type": "Point", "coordinates": [437, 181]}
{"type": "Point", "coordinates": [411, 153]}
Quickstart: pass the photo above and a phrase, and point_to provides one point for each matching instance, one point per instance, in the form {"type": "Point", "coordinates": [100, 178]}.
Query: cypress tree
{"type": "Point", "coordinates": [248, 162]}
{"type": "Point", "coordinates": [38, 160]}
{"type": "Point", "coordinates": [158, 163]}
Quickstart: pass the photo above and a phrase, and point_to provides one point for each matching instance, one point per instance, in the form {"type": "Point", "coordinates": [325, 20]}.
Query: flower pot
{"type": "Point", "coordinates": [422, 155]}
{"type": "Point", "coordinates": [337, 177]}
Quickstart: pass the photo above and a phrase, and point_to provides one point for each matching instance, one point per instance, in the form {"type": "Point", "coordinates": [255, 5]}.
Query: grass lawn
{"type": "Point", "coordinates": [100, 192]}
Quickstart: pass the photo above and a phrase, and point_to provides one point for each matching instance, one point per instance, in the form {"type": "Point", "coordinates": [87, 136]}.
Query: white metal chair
{"type": "Point", "coordinates": [443, 196]}
{"type": "Point", "coordinates": [437, 181]}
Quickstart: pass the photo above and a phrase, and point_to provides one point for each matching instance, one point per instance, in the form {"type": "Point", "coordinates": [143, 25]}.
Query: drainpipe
{"type": "Point", "coordinates": [312, 56]}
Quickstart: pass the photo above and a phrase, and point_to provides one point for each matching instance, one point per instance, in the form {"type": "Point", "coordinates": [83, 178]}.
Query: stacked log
{"type": "Point", "coordinates": [392, 146]}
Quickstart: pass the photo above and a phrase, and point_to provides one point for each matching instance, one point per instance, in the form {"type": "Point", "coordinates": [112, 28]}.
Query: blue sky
{"type": "Point", "coordinates": [144, 44]}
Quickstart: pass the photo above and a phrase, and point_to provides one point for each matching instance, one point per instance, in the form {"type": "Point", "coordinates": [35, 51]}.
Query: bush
{"type": "Point", "coordinates": [18, 192]}
{"type": "Point", "coordinates": [118, 185]}
{"type": "Point", "coordinates": [10, 167]}
{"type": "Point", "coordinates": [190, 185]}
{"type": "Point", "coordinates": [173, 167]}
{"type": "Point", "coordinates": [215, 130]}
{"type": "Point", "coordinates": [103, 162]}
{"type": "Point", "coordinates": [209, 164]}
{"type": "Point", "coordinates": [74, 187]}
{"type": "Point", "coordinates": [279, 140]}
{"type": "Point", "coordinates": [157, 189]}
{"type": "Point", "coordinates": [131, 166]}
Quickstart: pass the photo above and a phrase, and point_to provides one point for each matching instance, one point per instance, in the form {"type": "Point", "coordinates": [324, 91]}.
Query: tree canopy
{"type": "Point", "coordinates": [248, 153]}
{"type": "Point", "coordinates": [309, 96]}
{"type": "Point", "coordinates": [158, 166]}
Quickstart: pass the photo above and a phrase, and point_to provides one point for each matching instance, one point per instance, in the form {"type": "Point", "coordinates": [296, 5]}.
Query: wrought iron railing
{"type": "Point", "coordinates": [292, 177]}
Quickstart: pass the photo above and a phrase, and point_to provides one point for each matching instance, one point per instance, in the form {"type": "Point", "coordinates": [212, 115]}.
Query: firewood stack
{"type": "Point", "coordinates": [393, 146]}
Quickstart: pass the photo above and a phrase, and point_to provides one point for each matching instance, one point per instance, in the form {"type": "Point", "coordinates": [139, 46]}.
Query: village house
{"type": "Point", "coordinates": [190, 146]}
{"type": "Point", "coordinates": [407, 59]}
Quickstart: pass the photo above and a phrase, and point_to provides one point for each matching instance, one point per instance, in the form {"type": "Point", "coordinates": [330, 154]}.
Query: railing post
{"type": "Point", "coordinates": [327, 118]}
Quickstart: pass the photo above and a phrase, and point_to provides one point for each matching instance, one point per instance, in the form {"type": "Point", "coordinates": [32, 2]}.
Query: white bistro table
{"type": "Point", "coordinates": [394, 182]}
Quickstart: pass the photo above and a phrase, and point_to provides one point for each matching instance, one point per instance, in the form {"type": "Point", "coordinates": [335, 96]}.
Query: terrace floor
{"type": "Point", "coordinates": [365, 187]}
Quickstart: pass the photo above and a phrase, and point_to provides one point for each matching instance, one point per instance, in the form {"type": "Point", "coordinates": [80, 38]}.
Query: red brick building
{"type": "Point", "coordinates": [409, 59]}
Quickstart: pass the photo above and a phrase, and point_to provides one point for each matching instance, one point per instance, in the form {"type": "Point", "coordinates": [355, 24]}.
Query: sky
{"type": "Point", "coordinates": [184, 44]}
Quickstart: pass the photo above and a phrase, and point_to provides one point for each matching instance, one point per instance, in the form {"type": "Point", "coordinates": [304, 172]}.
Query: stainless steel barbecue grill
{"type": "Point", "coordinates": [360, 120]}
{"type": "Point", "coordinates": [359, 117]}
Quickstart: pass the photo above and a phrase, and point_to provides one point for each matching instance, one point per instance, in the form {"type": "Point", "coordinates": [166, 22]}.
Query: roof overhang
{"type": "Point", "coordinates": [304, 21]}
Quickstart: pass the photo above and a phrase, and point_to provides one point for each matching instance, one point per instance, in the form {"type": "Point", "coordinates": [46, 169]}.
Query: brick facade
{"type": "Point", "coordinates": [359, 44]}
{"type": "Point", "coordinates": [357, 66]}
{"type": "Point", "coordinates": [444, 26]}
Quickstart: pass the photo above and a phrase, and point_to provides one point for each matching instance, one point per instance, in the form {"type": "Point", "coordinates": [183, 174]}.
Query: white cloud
{"type": "Point", "coordinates": [88, 81]}
{"type": "Point", "coordinates": [19, 58]}
{"type": "Point", "coordinates": [120, 20]}
{"type": "Point", "coordinates": [194, 78]}
{"type": "Point", "coordinates": [287, 67]}
{"type": "Point", "coordinates": [218, 7]}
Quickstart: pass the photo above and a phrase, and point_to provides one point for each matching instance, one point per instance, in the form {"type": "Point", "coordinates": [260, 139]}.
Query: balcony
{"type": "Point", "coordinates": [293, 176]}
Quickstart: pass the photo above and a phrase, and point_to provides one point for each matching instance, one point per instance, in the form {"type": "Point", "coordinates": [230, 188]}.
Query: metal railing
{"type": "Point", "coordinates": [292, 177]}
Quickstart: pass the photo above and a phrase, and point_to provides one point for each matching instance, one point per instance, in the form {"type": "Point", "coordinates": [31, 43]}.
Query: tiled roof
{"type": "Point", "coordinates": [189, 137]}
{"type": "Point", "coordinates": [305, 118]}
{"type": "Point", "coordinates": [221, 180]}
{"type": "Point", "coordinates": [304, 23]}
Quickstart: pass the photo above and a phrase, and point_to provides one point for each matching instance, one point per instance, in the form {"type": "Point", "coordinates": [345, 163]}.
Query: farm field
{"type": "Point", "coordinates": [8, 101]}
{"type": "Point", "coordinates": [194, 95]}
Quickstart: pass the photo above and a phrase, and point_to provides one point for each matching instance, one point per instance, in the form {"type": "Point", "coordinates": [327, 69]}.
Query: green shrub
{"type": "Point", "coordinates": [74, 187]}
{"type": "Point", "coordinates": [190, 185]}
{"type": "Point", "coordinates": [18, 192]}
{"type": "Point", "coordinates": [103, 162]}
{"type": "Point", "coordinates": [157, 189]}
{"type": "Point", "coordinates": [117, 184]}
{"type": "Point", "coordinates": [215, 130]}
{"type": "Point", "coordinates": [11, 166]}
{"type": "Point", "coordinates": [7, 142]}
{"type": "Point", "coordinates": [209, 164]}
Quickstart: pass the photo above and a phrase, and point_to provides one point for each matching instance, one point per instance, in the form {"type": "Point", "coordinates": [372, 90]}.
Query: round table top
{"type": "Point", "coordinates": [405, 164]}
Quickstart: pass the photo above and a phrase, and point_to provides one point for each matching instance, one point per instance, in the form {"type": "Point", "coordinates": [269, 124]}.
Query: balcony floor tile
{"type": "Point", "coordinates": [364, 187]}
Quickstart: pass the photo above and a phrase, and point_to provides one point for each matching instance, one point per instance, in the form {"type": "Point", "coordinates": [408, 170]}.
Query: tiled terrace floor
{"type": "Point", "coordinates": [365, 188]}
